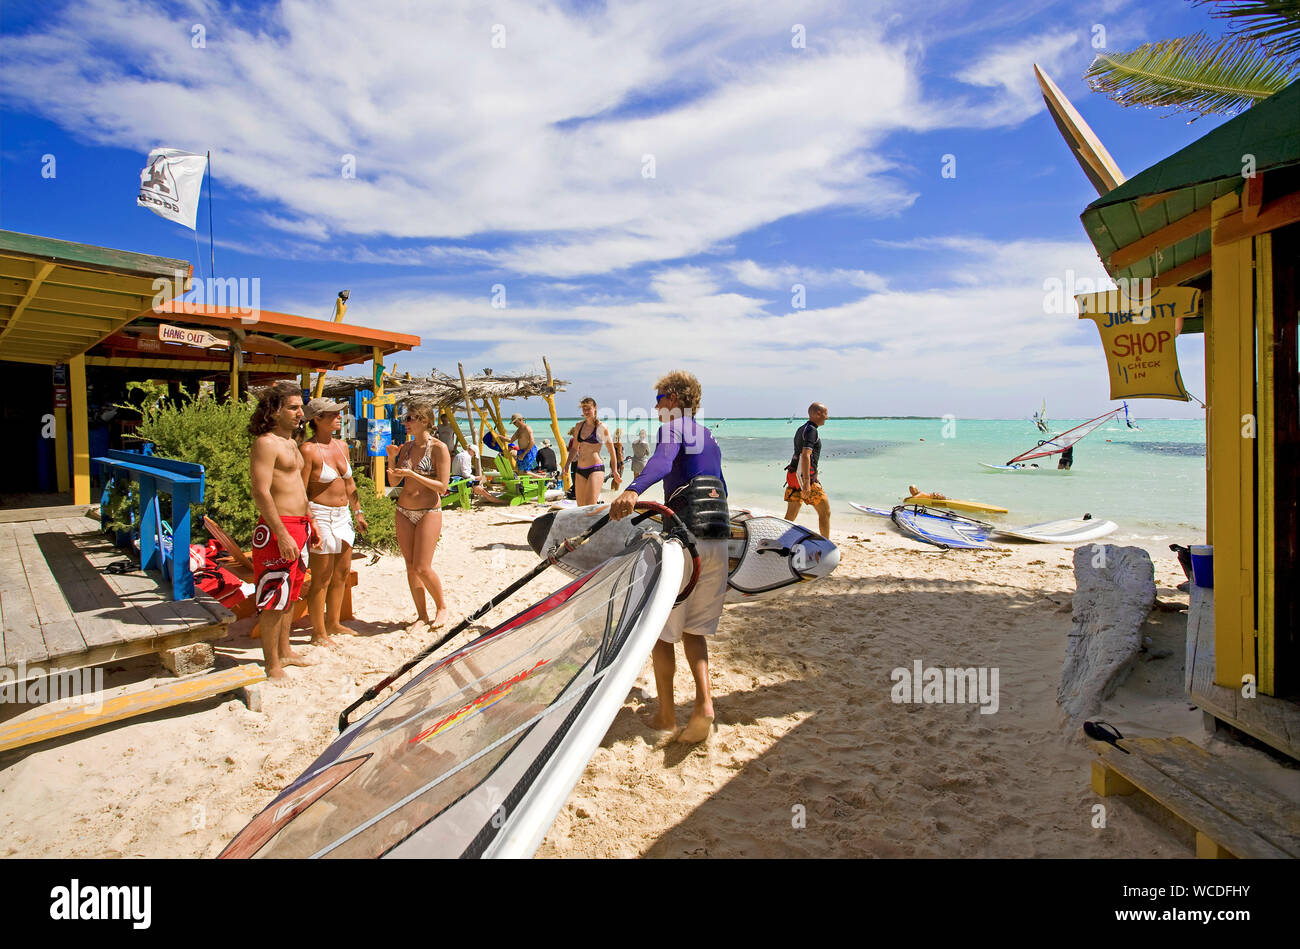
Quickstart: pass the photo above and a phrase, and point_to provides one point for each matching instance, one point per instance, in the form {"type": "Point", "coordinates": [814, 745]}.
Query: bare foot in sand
{"type": "Point", "coordinates": [439, 619]}
{"type": "Point", "coordinates": [697, 729]}
{"type": "Point", "coordinates": [419, 626]}
{"type": "Point", "coordinates": [338, 629]}
{"type": "Point", "coordinates": [294, 659]}
{"type": "Point", "coordinates": [276, 674]}
{"type": "Point", "coordinates": [665, 720]}
{"type": "Point", "coordinates": [325, 641]}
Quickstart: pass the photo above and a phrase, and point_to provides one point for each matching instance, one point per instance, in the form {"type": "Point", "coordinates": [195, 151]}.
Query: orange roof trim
{"type": "Point", "coordinates": [268, 321]}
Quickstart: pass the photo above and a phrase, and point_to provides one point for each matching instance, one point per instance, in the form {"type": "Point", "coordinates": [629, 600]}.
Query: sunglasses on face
{"type": "Point", "coordinates": [660, 397]}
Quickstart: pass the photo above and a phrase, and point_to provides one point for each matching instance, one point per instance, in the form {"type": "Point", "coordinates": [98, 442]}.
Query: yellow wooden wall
{"type": "Point", "coordinates": [1266, 459]}
{"type": "Point", "coordinates": [1230, 418]}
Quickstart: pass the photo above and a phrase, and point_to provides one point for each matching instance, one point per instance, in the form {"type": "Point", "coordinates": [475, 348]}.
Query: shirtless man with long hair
{"type": "Point", "coordinates": [284, 530]}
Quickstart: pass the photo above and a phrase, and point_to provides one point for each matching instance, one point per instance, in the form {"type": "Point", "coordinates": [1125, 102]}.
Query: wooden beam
{"type": "Point", "coordinates": [1087, 148]}
{"type": "Point", "coordinates": [1253, 198]}
{"type": "Point", "coordinates": [1186, 226]}
{"type": "Point", "coordinates": [18, 734]}
{"type": "Point", "coordinates": [469, 414]}
{"type": "Point", "coordinates": [1148, 201]}
{"type": "Point", "coordinates": [61, 449]}
{"type": "Point", "coordinates": [274, 347]}
{"type": "Point", "coordinates": [80, 430]}
{"type": "Point", "coordinates": [1274, 215]}
{"type": "Point", "coordinates": [340, 311]}
{"type": "Point", "coordinates": [1183, 272]}
{"type": "Point", "coordinates": [42, 272]}
{"type": "Point", "coordinates": [1265, 467]}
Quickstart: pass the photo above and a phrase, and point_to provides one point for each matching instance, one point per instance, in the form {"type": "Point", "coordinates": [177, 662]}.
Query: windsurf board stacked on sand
{"type": "Point", "coordinates": [1070, 530]}
{"type": "Point", "coordinates": [767, 554]}
{"type": "Point", "coordinates": [941, 528]}
{"type": "Point", "coordinates": [954, 504]}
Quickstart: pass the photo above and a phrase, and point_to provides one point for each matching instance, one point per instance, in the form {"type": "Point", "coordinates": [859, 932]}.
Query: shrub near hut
{"type": "Point", "coordinates": [214, 433]}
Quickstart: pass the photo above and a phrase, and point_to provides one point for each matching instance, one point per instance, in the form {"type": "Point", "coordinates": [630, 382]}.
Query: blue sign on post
{"type": "Point", "coordinates": [378, 438]}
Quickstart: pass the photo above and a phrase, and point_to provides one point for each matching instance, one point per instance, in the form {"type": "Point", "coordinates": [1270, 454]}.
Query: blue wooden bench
{"type": "Point", "coordinates": [184, 482]}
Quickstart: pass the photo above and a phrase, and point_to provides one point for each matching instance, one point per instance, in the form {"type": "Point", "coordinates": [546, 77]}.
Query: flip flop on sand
{"type": "Point", "coordinates": [1104, 731]}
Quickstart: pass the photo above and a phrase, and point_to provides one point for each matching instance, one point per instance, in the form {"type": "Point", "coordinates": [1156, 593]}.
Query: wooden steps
{"type": "Point", "coordinates": [66, 721]}
{"type": "Point", "coordinates": [1232, 816]}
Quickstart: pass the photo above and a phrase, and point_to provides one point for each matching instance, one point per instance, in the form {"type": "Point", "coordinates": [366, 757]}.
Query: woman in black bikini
{"type": "Point", "coordinates": [422, 466]}
{"type": "Point", "coordinates": [588, 437]}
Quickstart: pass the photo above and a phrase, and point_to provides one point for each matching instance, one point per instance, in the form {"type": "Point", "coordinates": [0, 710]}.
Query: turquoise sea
{"type": "Point", "coordinates": [1151, 482]}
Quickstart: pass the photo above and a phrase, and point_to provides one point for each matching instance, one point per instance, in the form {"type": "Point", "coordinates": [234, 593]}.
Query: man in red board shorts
{"type": "Point", "coordinates": [284, 530]}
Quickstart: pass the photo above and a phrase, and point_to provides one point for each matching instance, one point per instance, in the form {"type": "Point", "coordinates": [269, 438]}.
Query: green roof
{"type": "Point", "coordinates": [90, 257]}
{"type": "Point", "coordinates": [1192, 178]}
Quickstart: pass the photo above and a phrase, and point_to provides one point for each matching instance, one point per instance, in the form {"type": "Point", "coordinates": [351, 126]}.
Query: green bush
{"type": "Point", "coordinates": [215, 434]}
{"type": "Point", "coordinates": [379, 512]}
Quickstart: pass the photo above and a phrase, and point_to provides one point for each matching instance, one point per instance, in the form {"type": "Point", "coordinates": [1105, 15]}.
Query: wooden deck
{"type": "Point", "coordinates": [60, 611]}
{"type": "Point", "coordinates": [1274, 721]}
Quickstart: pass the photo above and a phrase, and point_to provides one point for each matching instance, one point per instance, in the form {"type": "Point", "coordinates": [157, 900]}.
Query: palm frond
{"type": "Point", "coordinates": [1274, 24]}
{"type": "Point", "coordinates": [1192, 73]}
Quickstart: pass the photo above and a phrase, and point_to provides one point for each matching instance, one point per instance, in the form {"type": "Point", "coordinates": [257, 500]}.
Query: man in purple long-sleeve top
{"type": "Point", "coordinates": [688, 462]}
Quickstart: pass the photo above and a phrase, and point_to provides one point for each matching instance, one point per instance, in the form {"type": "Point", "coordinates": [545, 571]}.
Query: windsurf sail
{"type": "Point", "coordinates": [1128, 421]}
{"type": "Point", "coordinates": [1040, 417]}
{"type": "Point", "coordinates": [1058, 443]}
{"type": "Point", "coordinates": [477, 753]}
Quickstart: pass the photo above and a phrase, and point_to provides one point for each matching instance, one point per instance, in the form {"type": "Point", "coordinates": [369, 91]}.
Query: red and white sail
{"type": "Point", "coordinates": [1058, 443]}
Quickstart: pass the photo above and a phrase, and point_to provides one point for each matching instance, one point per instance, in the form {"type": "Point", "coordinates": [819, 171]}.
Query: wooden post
{"type": "Point", "coordinates": [1266, 471]}
{"type": "Point", "coordinates": [61, 449]}
{"type": "Point", "coordinates": [80, 430]}
{"type": "Point", "coordinates": [304, 379]}
{"type": "Point", "coordinates": [561, 446]}
{"type": "Point", "coordinates": [377, 463]}
{"type": "Point", "coordinates": [340, 310]}
{"type": "Point", "coordinates": [450, 419]}
{"type": "Point", "coordinates": [501, 431]}
{"type": "Point", "coordinates": [235, 355]}
{"type": "Point", "coordinates": [469, 414]}
{"type": "Point", "coordinates": [1230, 336]}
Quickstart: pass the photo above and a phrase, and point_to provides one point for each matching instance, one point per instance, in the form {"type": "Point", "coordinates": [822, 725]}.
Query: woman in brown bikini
{"type": "Point", "coordinates": [589, 473]}
{"type": "Point", "coordinates": [422, 466]}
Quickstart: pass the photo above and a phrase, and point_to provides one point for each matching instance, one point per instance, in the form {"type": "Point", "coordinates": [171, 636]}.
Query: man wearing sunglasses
{"type": "Point", "coordinates": [688, 462]}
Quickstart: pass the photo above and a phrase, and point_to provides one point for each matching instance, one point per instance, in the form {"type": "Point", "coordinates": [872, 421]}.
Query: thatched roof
{"type": "Point", "coordinates": [444, 390]}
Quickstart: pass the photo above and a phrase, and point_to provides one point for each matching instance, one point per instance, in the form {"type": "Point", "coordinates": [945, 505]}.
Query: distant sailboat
{"type": "Point", "coordinates": [1040, 417]}
{"type": "Point", "coordinates": [1128, 421]}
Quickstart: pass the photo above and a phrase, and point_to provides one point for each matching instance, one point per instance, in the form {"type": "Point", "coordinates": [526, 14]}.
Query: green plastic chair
{"type": "Point", "coordinates": [519, 487]}
{"type": "Point", "coordinates": [458, 494]}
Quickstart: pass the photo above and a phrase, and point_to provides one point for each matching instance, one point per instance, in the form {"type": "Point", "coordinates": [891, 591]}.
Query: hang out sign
{"type": "Point", "coordinates": [190, 337]}
{"type": "Point", "coordinates": [1138, 335]}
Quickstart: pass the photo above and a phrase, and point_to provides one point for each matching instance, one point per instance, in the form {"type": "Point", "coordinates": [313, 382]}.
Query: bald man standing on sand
{"type": "Point", "coordinates": [801, 484]}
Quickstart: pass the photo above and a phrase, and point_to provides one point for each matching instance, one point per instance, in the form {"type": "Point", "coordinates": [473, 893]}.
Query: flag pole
{"type": "Point", "coordinates": [212, 265]}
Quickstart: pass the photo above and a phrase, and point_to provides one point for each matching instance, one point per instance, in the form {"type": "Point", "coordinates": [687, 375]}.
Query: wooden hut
{"type": "Point", "coordinates": [1223, 215]}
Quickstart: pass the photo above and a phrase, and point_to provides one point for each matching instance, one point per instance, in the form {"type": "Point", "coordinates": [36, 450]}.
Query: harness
{"type": "Point", "coordinates": [701, 504]}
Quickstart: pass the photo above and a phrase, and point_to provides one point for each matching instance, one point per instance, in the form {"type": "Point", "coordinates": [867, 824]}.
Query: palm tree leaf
{"type": "Point", "coordinates": [1192, 73]}
{"type": "Point", "coordinates": [1274, 24]}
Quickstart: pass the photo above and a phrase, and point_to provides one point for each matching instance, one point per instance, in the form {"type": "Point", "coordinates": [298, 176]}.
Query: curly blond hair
{"type": "Point", "coordinates": [684, 386]}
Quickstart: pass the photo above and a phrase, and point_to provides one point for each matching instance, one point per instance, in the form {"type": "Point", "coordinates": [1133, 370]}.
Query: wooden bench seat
{"type": "Point", "coordinates": [1233, 816]}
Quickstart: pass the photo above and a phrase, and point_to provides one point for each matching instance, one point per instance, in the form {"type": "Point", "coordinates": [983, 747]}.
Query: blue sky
{"type": "Point", "coordinates": [525, 165]}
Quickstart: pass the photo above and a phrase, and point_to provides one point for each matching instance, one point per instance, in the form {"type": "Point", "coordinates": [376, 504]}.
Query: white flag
{"type": "Point", "coordinates": [170, 184]}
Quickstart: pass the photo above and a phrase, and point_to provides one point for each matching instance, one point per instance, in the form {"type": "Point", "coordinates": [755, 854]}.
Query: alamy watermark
{"type": "Point", "coordinates": [34, 686]}
{"type": "Point", "coordinates": [242, 295]}
{"type": "Point", "coordinates": [935, 685]}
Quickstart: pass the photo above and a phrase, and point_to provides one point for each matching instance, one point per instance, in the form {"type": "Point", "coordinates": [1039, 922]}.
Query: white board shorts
{"type": "Point", "coordinates": [335, 525]}
{"type": "Point", "coordinates": [700, 613]}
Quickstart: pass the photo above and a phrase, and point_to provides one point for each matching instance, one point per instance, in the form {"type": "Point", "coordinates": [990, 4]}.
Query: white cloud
{"type": "Point", "coordinates": [1011, 69]}
{"type": "Point", "coordinates": [452, 138]}
{"type": "Point", "coordinates": [963, 346]}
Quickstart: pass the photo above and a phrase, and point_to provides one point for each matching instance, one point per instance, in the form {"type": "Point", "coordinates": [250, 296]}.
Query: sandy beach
{"type": "Point", "coordinates": [809, 756]}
